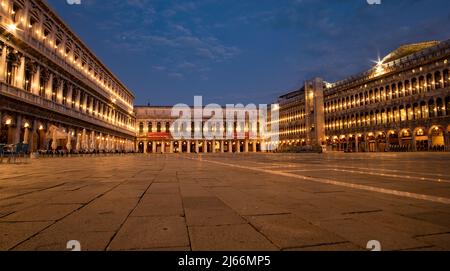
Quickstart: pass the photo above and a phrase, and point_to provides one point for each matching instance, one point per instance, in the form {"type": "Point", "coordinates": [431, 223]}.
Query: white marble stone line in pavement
{"type": "Point", "coordinates": [338, 183]}
{"type": "Point", "coordinates": [403, 177]}
{"type": "Point", "coordinates": [434, 174]}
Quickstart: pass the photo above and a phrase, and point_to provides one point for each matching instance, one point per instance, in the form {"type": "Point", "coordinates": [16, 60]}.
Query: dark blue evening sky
{"type": "Point", "coordinates": [233, 51]}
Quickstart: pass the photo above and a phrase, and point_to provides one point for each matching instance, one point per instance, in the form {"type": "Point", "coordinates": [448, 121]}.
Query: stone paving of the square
{"type": "Point", "coordinates": [228, 202]}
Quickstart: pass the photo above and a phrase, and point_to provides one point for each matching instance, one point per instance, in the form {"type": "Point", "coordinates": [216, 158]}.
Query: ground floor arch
{"type": "Point", "coordinates": [435, 137]}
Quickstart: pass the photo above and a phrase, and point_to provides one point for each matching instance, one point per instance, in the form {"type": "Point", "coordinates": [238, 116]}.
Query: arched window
{"type": "Point", "coordinates": [409, 113]}
{"type": "Point", "coordinates": [414, 86]}
{"type": "Point", "coordinates": [383, 116]}
{"type": "Point", "coordinates": [429, 82]}
{"type": "Point", "coordinates": [446, 78]}
{"type": "Point", "coordinates": [396, 115]}
{"type": "Point", "coordinates": [431, 109]}
{"type": "Point", "coordinates": [27, 81]}
{"type": "Point", "coordinates": [167, 127]}
{"type": "Point", "coordinates": [388, 93]}
{"type": "Point", "coordinates": [55, 86]}
{"type": "Point", "coordinates": [394, 91]}
{"type": "Point", "coordinates": [421, 84]}
{"type": "Point", "coordinates": [74, 97]}
{"type": "Point", "coordinates": [158, 127]}
{"type": "Point", "coordinates": [64, 99]}
{"type": "Point", "coordinates": [424, 110]}
{"type": "Point", "coordinates": [439, 107]}
{"type": "Point", "coordinates": [407, 88]}
{"type": "Point", "coordinates": [389, 116]}
{"type": "Point", "coordinates": [403, 115]}
{"type": "Point", "coordinates": [401, 90]}
{"type": "Point", "coordinates": [141, 127]}
{"type": "Point", "coordinates": [150, 127]}
{"type": "Point", "coordinates": [438, 80]}
{"type": "Point", "coordinates": [416, 111]}
{"type": "Point", "coordinates": [447, 105]}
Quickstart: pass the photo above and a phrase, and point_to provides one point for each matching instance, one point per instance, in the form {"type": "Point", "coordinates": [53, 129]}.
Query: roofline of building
{"type": "Point", "coordinates": [46, 7]}
{"type": "Point", "coordinates": [404, 59]}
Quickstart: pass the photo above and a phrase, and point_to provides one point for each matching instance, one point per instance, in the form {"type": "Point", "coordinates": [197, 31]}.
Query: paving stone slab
{"type": "Point", "coordinates": [151, 232]}
{"type": "Point", "coordinates": [228, 238]}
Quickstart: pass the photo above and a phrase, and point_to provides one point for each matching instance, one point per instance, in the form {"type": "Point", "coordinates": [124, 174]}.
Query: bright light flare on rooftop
{"type": "Point", "coordinates": [11, 27]}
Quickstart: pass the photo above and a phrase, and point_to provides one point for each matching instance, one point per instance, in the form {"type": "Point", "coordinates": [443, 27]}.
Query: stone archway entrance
{"type": "Point", "coordinates": [421, 139]}
{"type": "Point", "coordinates": [437, 138]}
{"type": "Point", "coordinates": [141, 147]}
{"type": "Point", "coordinates": [371, 143]}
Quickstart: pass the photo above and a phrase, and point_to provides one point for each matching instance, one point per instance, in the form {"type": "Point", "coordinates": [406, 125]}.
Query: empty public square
{"type": "Point", "coordinates": [331, 201]}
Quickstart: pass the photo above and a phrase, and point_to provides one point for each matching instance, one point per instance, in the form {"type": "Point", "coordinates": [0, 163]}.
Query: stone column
{"type": "Point", "coordinates": [246, 146]}
{"type": "Point", "coordinates": [49, 87]}
{"type": "Point", "coordinates": [171, 147]}
{"type": "Point", "coordinates": [254, 146]}
{"type": "Point", "coordinates": [196, 147]}
{"type": "Point", "coordinates": [387, 142]}
{"type": "Point", "coordinates": [93, 138]}
{"type": "Point", "coordinates": [35, 84]}
{"type": "Point", "coordinates": [145, 146]}
{"type": "Point", "coordinates": [26, 135]}
{"type": "Point", "coordinates": [356, 143]}
{"type": "Point", "coordinates": [18, 129]}
{"type": "Point", "coordinates": [163, 146]}
{"type": "Point", "coordinates": [213, 148]}
{"type": "Point", "coordinates": [20, 76]}
{"type": "Point", "coordinates": [188, 150]}
{"type": "Point", "coordinates": [222, 146]}
{"type": "Point", "coordinates": [69, 141]}
{"type": "Point", "coordinates": [205, 146]}
{"type": "Point", "coordinates": [154, 143]}
{"type": "Point", "coordinates": [263, 146]}
{"type": "Point", "coordinates": [446, 140]}
{"type": "Point", "coordinates": [3, 64]}
{"type": "Point", "coordinates": [230, 146]}
{"type": "Point", "coordinates": [238, 146]}
{"type": "Point", "coordinates": [32, 145]}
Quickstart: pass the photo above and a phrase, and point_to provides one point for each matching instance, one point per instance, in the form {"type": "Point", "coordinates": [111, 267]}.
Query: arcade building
{"type": "Point", "coordinates": [154, 134]}
{"type": "Point", "coordinates": [401, 104]}
{"type": "Point", "coordinates": [55, 94]}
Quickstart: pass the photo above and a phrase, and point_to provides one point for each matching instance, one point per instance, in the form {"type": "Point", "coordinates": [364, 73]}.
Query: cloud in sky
{"type": "Point", "coordinates": [245, 49]}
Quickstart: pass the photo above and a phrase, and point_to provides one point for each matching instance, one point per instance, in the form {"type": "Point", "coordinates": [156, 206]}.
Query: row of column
{"type": "Point", "coordinates": [213, 146]}
{"type": "Point", "coordinates": [37, 135]}
{"type": "Point", "coordinates": [361, 144]}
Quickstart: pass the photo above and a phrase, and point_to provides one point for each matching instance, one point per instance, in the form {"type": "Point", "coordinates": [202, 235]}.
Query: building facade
{"type": "Point", "coordinates": [401, 104]}
{"type": "Point", "coordinates": [54, 92]}
{"type": "Point", "coordinates": [155, 134]}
